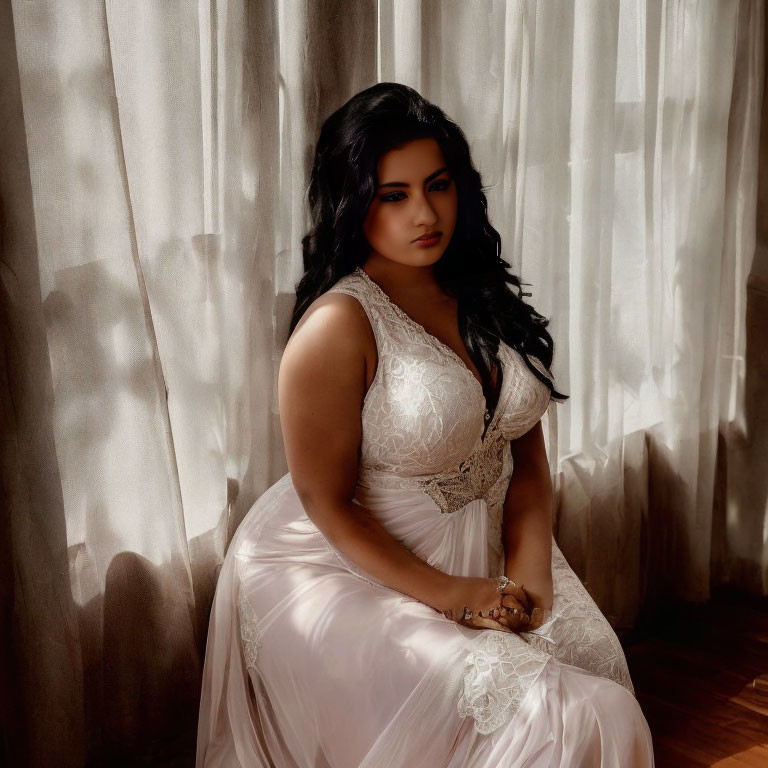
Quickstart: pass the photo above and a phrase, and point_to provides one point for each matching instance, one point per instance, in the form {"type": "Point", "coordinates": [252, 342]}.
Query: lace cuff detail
{"type": "Point", "coordinates": [497, 675]}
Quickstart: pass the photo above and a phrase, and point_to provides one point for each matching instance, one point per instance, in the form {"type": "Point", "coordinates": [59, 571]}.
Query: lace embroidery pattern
{"type": "Point", "coordinates": [249, 631]}
{"type": "Point", "coordinates": [423, 424]}
{"type": "Point", "coordinates": [578, 633]}
{"type": "Point", "coordinates": [501, 667]}
{"type": "Point", "coordinates": [243, 545]}
{"type": "Point", "coordinates": [498, 673]}
{"type": "Point", "coordinates": [582, 635]}
{"type": "Point", "coordinates": [474, 478]}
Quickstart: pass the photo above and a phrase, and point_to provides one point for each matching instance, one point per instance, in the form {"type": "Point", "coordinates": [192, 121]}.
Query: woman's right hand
{"type": "Point", "coordinates": [490, 608]}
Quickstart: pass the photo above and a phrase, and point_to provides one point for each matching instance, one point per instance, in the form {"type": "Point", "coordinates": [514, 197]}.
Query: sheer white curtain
{"type": "Point", "coordinates": [154, 164]}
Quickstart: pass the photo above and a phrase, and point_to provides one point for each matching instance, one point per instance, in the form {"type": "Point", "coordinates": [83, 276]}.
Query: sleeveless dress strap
{"type": "Point", "coordinates": [354, 285]}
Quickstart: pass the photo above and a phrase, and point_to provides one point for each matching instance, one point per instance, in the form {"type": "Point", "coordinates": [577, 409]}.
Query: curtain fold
{"type": "Point", "coordinates": [153, 168]}
{"type": "Point", "coordinates": [41, 670]}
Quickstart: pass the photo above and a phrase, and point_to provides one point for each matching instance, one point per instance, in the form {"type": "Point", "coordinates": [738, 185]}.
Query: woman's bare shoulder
{"type": "Point", "coordinates": [333, 319]}
{"type": "Point", "coordinates": [321, 389]}
{"type": "Point", "coordinates": [333, 341]}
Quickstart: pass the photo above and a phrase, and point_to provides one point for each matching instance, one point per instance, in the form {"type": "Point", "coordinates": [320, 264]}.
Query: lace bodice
{"type": "Point", "coordinates": [424, 414]}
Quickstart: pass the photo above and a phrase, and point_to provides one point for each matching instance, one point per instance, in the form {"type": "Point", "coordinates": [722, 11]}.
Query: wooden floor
{"type": "Point", "coordinates": [701, 678]}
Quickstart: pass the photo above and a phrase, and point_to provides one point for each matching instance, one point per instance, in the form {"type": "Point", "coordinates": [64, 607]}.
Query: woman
{"type": "Point", "coordinates": [397, 598]}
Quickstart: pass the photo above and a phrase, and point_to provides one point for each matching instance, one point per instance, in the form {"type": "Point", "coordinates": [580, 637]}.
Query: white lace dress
{"type": "Point", "coordinates": [312, 663]}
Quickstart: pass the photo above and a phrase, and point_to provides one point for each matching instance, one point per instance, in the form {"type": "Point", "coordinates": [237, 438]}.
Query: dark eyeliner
{"type": "Point", "coordinates": [447, 182]}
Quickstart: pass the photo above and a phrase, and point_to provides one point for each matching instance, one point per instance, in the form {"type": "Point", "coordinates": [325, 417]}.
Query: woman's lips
{"type": "Point", "coordinates": [427, 242]}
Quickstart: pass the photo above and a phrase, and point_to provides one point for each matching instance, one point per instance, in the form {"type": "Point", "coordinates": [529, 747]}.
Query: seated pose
{"type": "Point", "coordinates": [397, 599]}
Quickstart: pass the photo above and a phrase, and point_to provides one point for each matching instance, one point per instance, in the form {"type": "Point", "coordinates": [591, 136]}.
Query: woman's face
{"type": "Point", "coordinates": [416, 196]}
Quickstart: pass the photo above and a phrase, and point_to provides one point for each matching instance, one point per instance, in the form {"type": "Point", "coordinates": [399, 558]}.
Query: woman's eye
{"type": "Point", "coordinates": [436, 186]}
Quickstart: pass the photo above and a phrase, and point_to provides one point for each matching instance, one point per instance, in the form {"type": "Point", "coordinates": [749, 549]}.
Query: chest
{"type": "Point", "coordinates": [424, 412]}
{"type": "Point", "coordinates": [440, 319]}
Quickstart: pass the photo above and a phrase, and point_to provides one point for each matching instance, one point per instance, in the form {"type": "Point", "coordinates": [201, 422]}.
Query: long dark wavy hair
{"type": "Point", "coordinates": [342, 186]}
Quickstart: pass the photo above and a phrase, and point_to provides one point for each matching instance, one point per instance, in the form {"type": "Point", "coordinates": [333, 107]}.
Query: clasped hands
{"type": "Point", "coordinates": [508, 610]}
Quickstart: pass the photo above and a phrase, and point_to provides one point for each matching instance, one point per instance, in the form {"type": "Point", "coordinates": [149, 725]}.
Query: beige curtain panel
{"type": "Point", "coordinates": [153, 165]}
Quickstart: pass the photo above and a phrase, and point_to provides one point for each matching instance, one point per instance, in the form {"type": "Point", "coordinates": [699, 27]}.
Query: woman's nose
{"type": "Point", "coordinates": [425, 213]}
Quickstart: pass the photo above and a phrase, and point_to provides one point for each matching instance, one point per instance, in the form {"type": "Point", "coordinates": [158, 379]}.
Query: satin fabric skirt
{"type": "Point", "coordinates": [310, 662]}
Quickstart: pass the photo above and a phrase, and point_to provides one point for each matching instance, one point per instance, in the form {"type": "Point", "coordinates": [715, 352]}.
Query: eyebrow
{"type": "Point", "coordinates": [406, 184]}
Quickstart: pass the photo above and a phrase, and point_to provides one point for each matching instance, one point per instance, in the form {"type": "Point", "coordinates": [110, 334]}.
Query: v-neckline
{"type": "Point", "coordinates": [437, 343]}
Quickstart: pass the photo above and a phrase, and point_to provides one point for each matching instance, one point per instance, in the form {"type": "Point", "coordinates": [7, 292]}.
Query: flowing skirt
{"type": "Point", "coordinates": [312, 663]}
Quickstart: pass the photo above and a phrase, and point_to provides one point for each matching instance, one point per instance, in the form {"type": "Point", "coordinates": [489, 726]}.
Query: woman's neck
{"type": "Point", "coordinates": [408, 282]}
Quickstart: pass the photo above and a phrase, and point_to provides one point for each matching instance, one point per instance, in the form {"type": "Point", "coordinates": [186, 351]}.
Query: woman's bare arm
{"type": "Point", "coordinates": [527, 524]}
{"type": "Point", "coordinates": [321, 387]}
